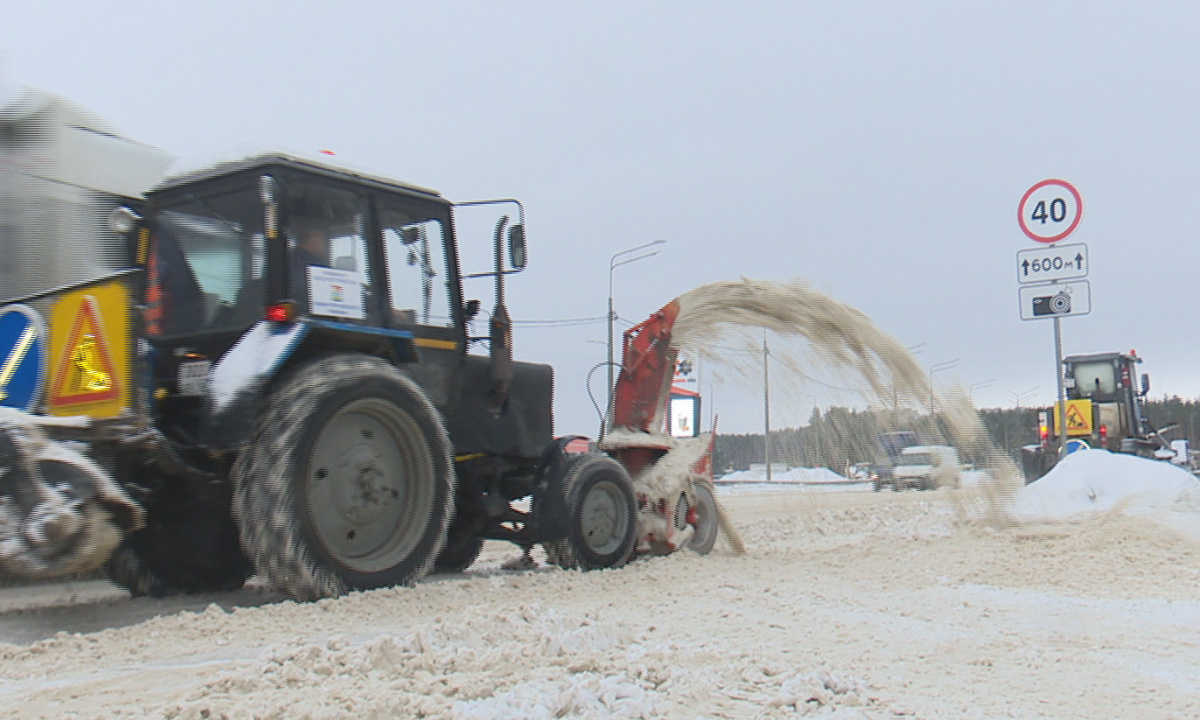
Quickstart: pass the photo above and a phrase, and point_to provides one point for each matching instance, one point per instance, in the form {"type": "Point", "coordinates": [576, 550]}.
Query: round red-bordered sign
{"type": "Point", "coordinates": [1050, 211]}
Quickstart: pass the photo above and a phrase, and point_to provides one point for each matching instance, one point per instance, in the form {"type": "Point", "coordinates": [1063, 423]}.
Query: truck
{"type": "Point", "coordinates": [1104, 408]}
{"type": "Point", "coordinates": [203, 407]}
{"type": "Point", "coordinates": [927, 467]}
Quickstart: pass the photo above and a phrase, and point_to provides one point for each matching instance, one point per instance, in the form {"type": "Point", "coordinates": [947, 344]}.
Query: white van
{"type": "Point", "coordinates": [927, 467]}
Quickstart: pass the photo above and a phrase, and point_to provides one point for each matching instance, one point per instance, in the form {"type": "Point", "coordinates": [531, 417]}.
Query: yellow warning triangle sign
{"type": "Point", "coordinates": [1075, 419]}
{"type": "Point", "coordinates": [85, 370]}
{"type": "Point", "coordinates": [1079, 417]}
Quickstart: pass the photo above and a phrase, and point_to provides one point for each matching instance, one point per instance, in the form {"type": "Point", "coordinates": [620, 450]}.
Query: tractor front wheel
{"type": "Point", "coordinates": [602, 515]}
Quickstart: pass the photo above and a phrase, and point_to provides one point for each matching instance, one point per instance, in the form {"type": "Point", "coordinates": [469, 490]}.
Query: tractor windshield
{"type": "Point", "coordinates": [1093, 378]}
{"type": "Point", "coordinates": [206, 266]}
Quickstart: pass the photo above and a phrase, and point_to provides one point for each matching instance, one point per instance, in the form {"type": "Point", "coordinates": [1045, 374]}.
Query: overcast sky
{"type": "Point", "coordinates": [877, 150]}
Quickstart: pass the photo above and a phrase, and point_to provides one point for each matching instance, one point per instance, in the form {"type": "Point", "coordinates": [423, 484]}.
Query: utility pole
{"type": "Point", "coordinates": [935, 368]}
{"type": "Point", "coordinates": [766, 408]}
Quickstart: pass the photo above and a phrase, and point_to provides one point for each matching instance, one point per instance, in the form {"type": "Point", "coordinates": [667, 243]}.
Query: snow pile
{"type": "Point", "coordinates": [1096, 481]}
{"type": "Point", "coordinates": [975, 477]}
{"type": "Point", "coordinates": [758, 474]}
{"type": "Point", "coordinates": [812, 475]}
{"type": "Point", "coordinates": [584, 695]}
{"type": "Point", "coordinates": [527, 662]}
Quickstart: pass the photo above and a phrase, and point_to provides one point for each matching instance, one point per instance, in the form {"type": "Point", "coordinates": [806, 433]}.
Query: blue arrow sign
{"type": "Point", "coordinates": [22, 357]}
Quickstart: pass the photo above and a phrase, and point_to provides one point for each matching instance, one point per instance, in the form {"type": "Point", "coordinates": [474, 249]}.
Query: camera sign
{"type": "Point", "coordinates": [1064, 299]}
{"type": "Point", "coordinates": [1057, 262]}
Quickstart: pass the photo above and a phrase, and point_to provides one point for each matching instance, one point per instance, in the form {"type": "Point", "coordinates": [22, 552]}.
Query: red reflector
{"type": "Point", "coordinates": [281, 312]}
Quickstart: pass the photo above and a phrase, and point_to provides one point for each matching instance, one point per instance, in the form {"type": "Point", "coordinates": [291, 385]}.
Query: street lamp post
{"type": "Point", "coordinates": [937, 368]}
{"type": "Point", "coordinates": [913, 349]}
{"type": "Point", "coordinates": [618, 259]}
{"type": "Point", "coordinates": [975, 386]}
{"type": "Point", "coordinates": [1020, 397]}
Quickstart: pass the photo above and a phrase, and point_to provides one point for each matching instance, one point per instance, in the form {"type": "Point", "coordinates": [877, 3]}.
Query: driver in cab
{"type": "Point", "coordinates": [310, 246]}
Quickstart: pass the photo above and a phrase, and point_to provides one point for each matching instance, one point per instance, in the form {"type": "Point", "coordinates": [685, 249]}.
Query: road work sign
{"type": "Point", "coordinates": [90, 352]}
{"type": "Point", "coordinates": [1079, 417]}
{"type": "Point", "coordinates": [1057, 262]}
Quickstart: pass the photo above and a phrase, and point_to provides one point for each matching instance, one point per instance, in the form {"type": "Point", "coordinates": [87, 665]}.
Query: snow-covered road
{"type": "Point", "coordinates": [848, 605]}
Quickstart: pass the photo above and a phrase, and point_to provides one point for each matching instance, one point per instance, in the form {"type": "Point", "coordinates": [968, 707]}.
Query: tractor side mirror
{"type": "Point", "coordinates": [470, 309]}
{"type": "Point", "coordinates": [516, 246]}
{"type": "Point", "coordinates": [410, 234]}
{"type": "Point", "coordinates": [1145, 384]}
{"type": "Point", "coordinates": [122, 220]}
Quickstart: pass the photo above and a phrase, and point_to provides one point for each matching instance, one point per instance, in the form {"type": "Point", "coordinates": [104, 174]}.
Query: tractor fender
{"type": "Point", "coordinates": [239, 379]}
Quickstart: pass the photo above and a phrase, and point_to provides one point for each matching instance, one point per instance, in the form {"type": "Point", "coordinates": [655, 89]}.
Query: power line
{"type": "Point", "coordinates": [563, 322]}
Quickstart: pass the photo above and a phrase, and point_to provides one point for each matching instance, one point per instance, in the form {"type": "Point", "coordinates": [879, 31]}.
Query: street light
{"type": "Point", "coordinates": [625, 257]}
{"type": "Point", "coordinates": [937, 368]}
{"type": "Point", "coordinates": [912, 349]}
{"type": "Point", "coordinates": [1020, 397]}
{"type": "Point", "coordinates": [975, 386]}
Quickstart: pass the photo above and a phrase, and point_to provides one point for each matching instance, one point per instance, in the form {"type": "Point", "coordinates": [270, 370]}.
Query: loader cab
{"type": "Point", "coordinates": [1109, 382]}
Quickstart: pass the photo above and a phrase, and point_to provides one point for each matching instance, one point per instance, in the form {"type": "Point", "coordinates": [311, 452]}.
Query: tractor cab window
{"type": "Point", "coordinates": [328, 268]}
{"type": "Point", "coordinates": [414, 246]}
{"type": "Point", "coordinates": [1094, 379]}
{"type": "Point", "coordinates": [206, 264]}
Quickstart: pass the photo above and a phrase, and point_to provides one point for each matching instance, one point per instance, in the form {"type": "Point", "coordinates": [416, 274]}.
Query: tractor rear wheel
{"type": "Point", "coordinates": [602, 514]}
{"type": "Point", "coordinates": [348, 483]}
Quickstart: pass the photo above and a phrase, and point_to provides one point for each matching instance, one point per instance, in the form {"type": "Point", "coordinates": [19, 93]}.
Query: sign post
{"type": "Point", "coordinates": [1048, 212]}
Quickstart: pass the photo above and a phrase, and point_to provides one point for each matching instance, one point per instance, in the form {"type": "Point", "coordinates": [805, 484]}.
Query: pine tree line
{"type": "Point", "coordinates": [839, 437]}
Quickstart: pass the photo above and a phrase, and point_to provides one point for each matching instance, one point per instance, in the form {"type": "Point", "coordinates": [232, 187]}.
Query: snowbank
{"type": "Point", "coordinates": [1095, 481]}
{"type": "Point", "coordinates": [758, 474]}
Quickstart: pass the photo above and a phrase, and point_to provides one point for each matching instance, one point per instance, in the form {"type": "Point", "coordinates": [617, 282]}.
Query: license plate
{"type": "Point", "coordinates": [193, 377]}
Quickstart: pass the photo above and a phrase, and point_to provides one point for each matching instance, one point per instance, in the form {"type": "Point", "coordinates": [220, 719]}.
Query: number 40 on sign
{"type": "Point", "coordinates": [1050, 211]}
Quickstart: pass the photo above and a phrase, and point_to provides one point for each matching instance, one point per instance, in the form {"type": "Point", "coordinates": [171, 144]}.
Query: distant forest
{"type": "Point", "coordinates": [839, 437]}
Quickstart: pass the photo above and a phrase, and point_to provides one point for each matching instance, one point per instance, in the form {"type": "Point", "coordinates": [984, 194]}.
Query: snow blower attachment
{"type": "Point", "coordinates": [672, 476]}
{"type": "Point", "coordinates": [60, 513]}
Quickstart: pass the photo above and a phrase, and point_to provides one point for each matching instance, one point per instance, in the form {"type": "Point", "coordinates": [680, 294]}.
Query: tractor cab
{"type": "Point", "coordinates": [1103, 401]}
{"type": "Point", "coordinates": [274, 259]}
{"type": "Point", "coordinates": [1104, 409]}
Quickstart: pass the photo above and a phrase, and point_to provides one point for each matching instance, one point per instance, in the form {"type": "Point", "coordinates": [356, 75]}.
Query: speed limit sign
{"type": "Point", "coordinates": [1050, 211]}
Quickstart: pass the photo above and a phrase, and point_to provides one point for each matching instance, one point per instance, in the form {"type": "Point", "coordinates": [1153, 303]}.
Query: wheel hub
{"type": "Point", "coordinates": [357, 474]}
{"type": "Point", "coordinates": [601, 517]}
{"type": "Point", "coordinates": [364, 491]}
